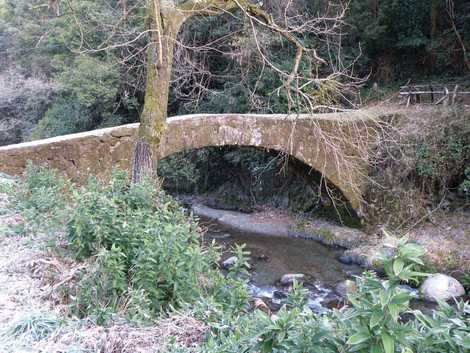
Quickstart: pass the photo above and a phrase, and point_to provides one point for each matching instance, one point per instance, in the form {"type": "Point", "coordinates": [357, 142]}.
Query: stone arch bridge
{"type": "Point", "coordinates": [335, 144]}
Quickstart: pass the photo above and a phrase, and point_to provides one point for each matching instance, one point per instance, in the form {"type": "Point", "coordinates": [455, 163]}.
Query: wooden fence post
{"type": "Point", "coordinates": [454, 95]}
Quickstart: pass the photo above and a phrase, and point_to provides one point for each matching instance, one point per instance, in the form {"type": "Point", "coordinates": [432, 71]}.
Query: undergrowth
{"type": "Point", "coordinates": [34, 327]}
{"type": "Point", "coordinates": [42, 200]}
{"type": "Point", "coordinates": [418, 163]}
{"type": "Point", "coordinates": [142, 254]}
{"type": "Point", "coordinates": [145, 259]}
{"type": "Point", "coordinates": [378, 320]}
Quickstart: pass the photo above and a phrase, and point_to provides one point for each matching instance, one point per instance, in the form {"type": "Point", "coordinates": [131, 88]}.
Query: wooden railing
{"type": "Point", "coordinates": [431, 94]}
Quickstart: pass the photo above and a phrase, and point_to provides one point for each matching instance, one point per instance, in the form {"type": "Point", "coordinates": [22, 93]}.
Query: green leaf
{"type": "Point", "coordinates": [388, 343]}
{"type": "Point", "coordinates": [384, 297]}
{"type": "Point", "coordinates": [394, 311]}
{"type": "Point", "coordinates": [398, 265]}
{"type": "Point", "coordinates": [375, 348]}
{"type": "Point", "coordinates": [375, 318]}
{"type": "Point", "coordinates": [401, 298]}
{"type": "Point", "coordinates": [358, 338]}
{"type": "Point", "coordinates": [267, 346]}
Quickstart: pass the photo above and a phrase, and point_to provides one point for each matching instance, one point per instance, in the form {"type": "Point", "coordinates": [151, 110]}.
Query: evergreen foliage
{"type": "Point", "coordinates": [398, 40]}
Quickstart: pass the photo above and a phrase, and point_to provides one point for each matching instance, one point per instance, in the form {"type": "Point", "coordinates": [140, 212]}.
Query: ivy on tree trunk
{"type": "Point", "coordinates": [165, 19]}
{"type": "Point", "coordinates": [164, 24]}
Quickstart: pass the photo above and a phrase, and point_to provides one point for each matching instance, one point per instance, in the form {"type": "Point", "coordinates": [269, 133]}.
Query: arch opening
{"type": "Point", "coordinates": [247, 179]}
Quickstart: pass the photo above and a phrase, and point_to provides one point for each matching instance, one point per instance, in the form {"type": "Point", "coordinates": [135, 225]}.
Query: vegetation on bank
{"type": "Point", "coordinates": [128, 253]}
{"type": "Point", "coordinates": [420, 166]}
{"type": "Point", "coordinates": [141, 258]}
{"type": "Point", "coordinates": [142, 254]}
{"type": "Point", "coordinates": [52, 86]}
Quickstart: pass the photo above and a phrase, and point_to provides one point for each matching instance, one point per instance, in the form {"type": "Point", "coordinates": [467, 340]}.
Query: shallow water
{"type": "Point", "coordinates": [272, 257]}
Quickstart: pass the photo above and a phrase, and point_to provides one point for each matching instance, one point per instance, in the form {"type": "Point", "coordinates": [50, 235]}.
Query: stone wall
{"type": "Point", "coordinates": [77, 156]}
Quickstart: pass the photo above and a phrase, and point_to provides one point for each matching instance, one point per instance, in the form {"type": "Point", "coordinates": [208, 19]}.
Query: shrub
{"type": "Point", "coordinates": [464, 187]}
{"type": "Point", "coordinates": [143, 243]}
{"type": "Point", "coordinates": [142, 253]}
{"type": "Point", "coordinates": [145, 258]}
{"type": "Point", "coordinates": [442, 149]}
{"type": "Point", "coordinates": [374, 320]}
{"type": "Point", "coordinates": [180, 172]}
{"type": "Point", "coordinates": [23, 102]}
{"type": "Point", "coordinates": [446, 330]}
{"type": "Point", "coordinates": [418, 162]}
{"type": "Point", "coordinates": [64, 116]}
{"type": "Point", "coordinates": [41, 198]}
{"type": "Point", "coordinates": [34, 327]}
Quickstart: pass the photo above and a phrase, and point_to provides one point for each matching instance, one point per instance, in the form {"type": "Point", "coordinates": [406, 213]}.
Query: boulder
{"type": "Point", "coordinates": [369, 256]}
{"type": "Point", "coordinates": [289, 278]}
{"type": "Point", "coordinates": [279, 295]}
{"type": "Point", "coordinates": [441, 287]}
{"type": "Point", "coordinates": [346, 259]}
{"type": "Point", "coordinates": [274, 304]}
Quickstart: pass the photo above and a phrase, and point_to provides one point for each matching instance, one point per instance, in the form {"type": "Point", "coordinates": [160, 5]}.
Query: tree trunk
{"type": "Point", "coordinates": [374, 9]}
{"type": "Point", "coordinates": [451, 13]}
{"type": "Point", "coordinates": [165, 20]}
{"type": "Point", "coordinates": [165, 25]}
{"type": "Point", "coordinates": [434, 16]}
{"type": "Point", "coordinates": [142, 163]}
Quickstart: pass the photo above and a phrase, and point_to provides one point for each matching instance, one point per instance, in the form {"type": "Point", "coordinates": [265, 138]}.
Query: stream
{"type": "Point", "coordinates": [273, 257]}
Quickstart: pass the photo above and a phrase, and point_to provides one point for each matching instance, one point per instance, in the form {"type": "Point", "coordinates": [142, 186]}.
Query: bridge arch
{"type": "Point", "coordinates": [326, 143]}
{"type": "Point", "coordinates": [332, 144]}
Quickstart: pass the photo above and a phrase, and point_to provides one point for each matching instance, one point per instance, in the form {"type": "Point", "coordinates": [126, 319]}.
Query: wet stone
{"type": "Point", "coordinates": [266, 292]}
{"type": "Point", "coordinates": [228, 263]}
{"type": "Point", "coordinates": [259, 304]}
{"type": "Point", "coordinates": [346, 259]}
{"type": "Point", "coordinates": [334, 302]}
{"type": "Point", "coordinates": [219, 236]}
{"type": "Point", "coordinates": [262, 257]}
{"type": "Point", "coordinates": [315, 304]}
{"type": "Point", "coordinates": [277, 294]}
{"type": "Point", "coordinates": [413, 292]}
{"type": "Point", "coordinates": [310, 263]}
{"type": "Point", "coordinates": [274, 304]}
{"type": "Point", "coordinates": [343, 288]}
{"type": "Point", "coordinates": [289, 278]}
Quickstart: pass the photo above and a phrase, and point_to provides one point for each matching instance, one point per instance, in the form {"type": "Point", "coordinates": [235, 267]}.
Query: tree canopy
{"type": "Point", "coordinates": [218, 66]}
